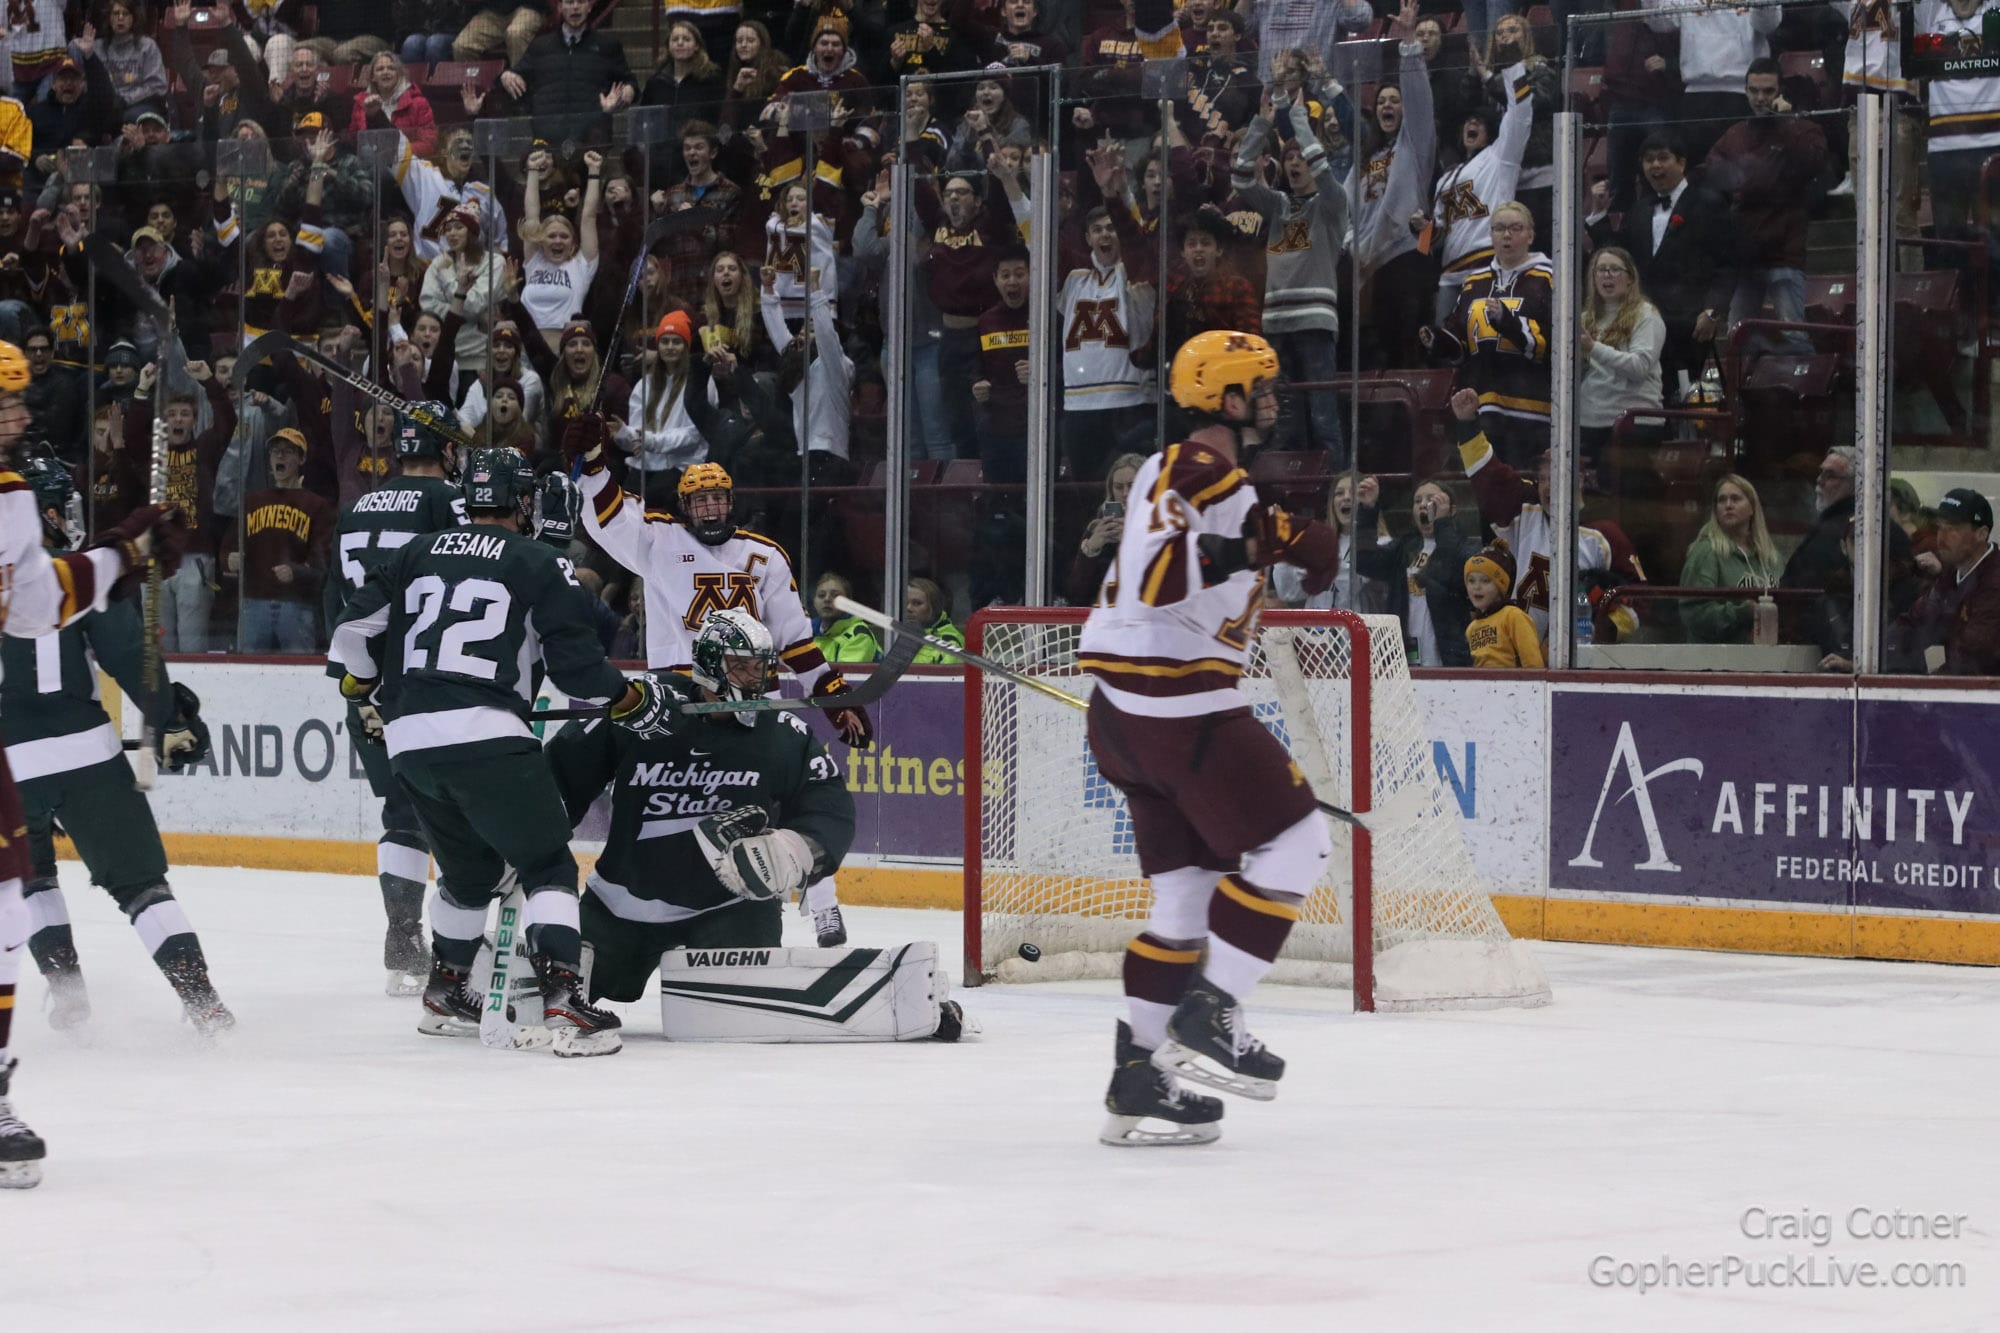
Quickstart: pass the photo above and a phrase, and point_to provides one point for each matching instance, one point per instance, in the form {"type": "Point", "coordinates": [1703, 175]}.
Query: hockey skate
{"type": "Point", "coordinates": [408, 960]}
{"type": "Point", "coordinates": [68, 999]}
{"type": "Point", "coordinates": [200, 1005]}
{"type": "Point", "coordinates": [829, 928]}
{"type": "Point", "coordinates": [450, 1009]}
{"type": "Point", "coordinates": [576, 1026]}
{"type": "Point", "coordinates": [1208, 1044]}
{"type": "Point", "coordinates": [1148, 1109]}
{"type": "Point", "coordinates": [21, 1149]}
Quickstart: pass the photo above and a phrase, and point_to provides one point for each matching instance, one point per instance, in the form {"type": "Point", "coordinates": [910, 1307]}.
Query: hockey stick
{"type": "Point", "coordinates": [1027, 682]}
{"type": "Point", "coordinates": [902, 650]}
{"type": "Point", "coordinates": [277, 342]}
{"type": "Point", "coordinates": [652, 236]}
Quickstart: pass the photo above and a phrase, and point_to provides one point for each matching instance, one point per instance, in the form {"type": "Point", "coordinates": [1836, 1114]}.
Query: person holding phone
{"type": "Point", "coordinates": [1100, 540]}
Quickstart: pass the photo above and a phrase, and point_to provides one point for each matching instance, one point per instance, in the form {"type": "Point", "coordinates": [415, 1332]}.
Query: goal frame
{"type": "Point", "coordinates": [1361, 909]}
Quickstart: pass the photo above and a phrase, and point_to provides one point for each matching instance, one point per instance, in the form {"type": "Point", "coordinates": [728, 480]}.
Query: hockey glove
{"type": "Point", "coordinates": [150, 532]}
{"type": "Point", "coordinates": [753, 861]}
{"type": "Point", "coordinates": [583, 443]}
{"type": "Point", "coordinates": [185, 739]}
{"type": "Point", "coordinates": [655, 711]}
{"type": "Point", "coordinates": [852, 723]}
{"type": "Point", "coordinates": [358, 692]}
{"type": "Point", "coordinates": [1283, 538]}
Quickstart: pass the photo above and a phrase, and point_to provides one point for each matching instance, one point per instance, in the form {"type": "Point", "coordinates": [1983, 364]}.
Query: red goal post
{"type": "Point", "coordinates": [1048, 854]}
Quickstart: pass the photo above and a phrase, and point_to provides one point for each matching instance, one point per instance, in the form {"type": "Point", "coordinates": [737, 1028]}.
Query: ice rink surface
{"type": "Point", "coordinates": [327, 1168]}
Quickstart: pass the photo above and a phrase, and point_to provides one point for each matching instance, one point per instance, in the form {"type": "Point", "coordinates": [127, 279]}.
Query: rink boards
{"type": "Point", "coordinates": [1717, 812]}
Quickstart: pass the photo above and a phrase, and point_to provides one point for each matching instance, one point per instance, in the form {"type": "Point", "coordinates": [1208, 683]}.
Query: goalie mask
{"type": "Point", "coordinates": [706, 497]}
{"type": "Point", "coordinates": [734, 658]}
{"type": "Point", "coordinates": [57, 501]}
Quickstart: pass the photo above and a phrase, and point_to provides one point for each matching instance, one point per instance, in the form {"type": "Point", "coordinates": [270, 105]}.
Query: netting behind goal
{"type": "Point", "coordinates": [1051, 862]}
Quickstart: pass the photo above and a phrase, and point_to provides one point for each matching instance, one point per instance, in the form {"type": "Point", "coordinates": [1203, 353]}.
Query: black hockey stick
{"type": "Point", "coordinates": [277, 342]}
{"type": "Point", "coordinates": [902, 651]}
{"type": "Point", "coordinates": [903, 630]}
{"type": "Point", "coordinates": [652, 236]}
{"type": "Point", "coordinates": [112, 265]}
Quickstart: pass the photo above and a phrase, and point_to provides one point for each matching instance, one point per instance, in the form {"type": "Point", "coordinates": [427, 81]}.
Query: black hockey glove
{"type": "Point", "coordinates": [653, 710]}
{"type": "Point", "coordinates": [184, 741]}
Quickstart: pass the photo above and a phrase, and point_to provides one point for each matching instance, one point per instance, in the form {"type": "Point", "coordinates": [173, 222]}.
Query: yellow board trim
{"type": "Point", "coordinates": [6, 1001]}
{"type": "Point", "coordinates": [1147, 949]}
{"type": "Point", "coordinates": [1231, 889]}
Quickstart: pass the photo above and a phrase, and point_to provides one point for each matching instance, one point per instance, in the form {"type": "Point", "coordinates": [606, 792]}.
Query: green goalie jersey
{"type": "Point", "coordinates": [51, 717]}
{"type": "Point", "coordinates": [457, 625]}
{"type": "Point", "coordinates": [382, 522]}
{"type": "Point", "coordinates": [652, 869]}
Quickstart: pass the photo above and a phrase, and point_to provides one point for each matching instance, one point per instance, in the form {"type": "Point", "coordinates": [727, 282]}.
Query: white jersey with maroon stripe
{"type": "Point", "coordinates": [38, 592]}
{"type": "Point", "coordinates": [1101, 311]}
{"type": "Point", "coordinates": [686, 579]}
{"type": "Point", "coordinates": [1159, 641]}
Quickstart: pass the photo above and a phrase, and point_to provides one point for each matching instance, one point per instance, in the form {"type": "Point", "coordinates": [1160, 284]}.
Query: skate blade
{"type": "Point", "coordinates": [1177, 1060]}
{"type": "Point", "coordinates": [508, 1037]}
{"type": "Point", "coordinates": [404, 984]}
{"type": "Point", "coordinates": [1142, 1131]}
{"type": "Point", "coordinates": [574, 1043]}
{"type": "Point", "coordinates": [20, 1175]}
{"type": "Point", "coordinates": [439, 1025]}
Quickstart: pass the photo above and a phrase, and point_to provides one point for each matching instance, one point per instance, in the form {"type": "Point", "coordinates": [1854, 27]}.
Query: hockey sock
{"type": "Point", "coordinates": [822, 894]}
{"type": "Point", "coordinates": [1246, 928]}
{"type": "Point", "coordinates": [553, 929]}
{"type": "Point", "coordinates": [456, 931]}
{"type": "Point", "coordinates": [1155, 975]}
{"type": "Point", "coordinates": [169, 937]}
{"type": "Point", "coordinates": [10, 969]}
{"type": "Point", "coordinates": [50, 939]}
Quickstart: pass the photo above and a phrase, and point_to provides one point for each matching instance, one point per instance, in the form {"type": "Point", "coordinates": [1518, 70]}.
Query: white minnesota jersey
{"type": "Point", "coordinates": [686, 579]}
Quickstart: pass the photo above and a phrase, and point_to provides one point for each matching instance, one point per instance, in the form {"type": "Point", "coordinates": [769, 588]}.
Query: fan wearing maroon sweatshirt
{"type": "Point", "coordinates": [1019, 39]}
{"type": "Point", "coordinates": [189, 593]}
{"type": "Point", "coordinates": [287, 534]}
{"type": "Point", "coordinates": [964, 238]}
{"type": "Point", "coordinates": [1002, 388]}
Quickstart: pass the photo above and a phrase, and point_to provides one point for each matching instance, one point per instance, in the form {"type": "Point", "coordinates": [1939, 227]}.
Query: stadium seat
{"type": "Point", "coordinates": [1925, 347]}
{"type": "Point", "coordinates": [1787, 409]}
{"type": "Point", "coordinates": [1830, 298]}
{"type": "Point", "coordinates": [1810, 65]}
{"type": "Point", "coordinates": [1586, 91]}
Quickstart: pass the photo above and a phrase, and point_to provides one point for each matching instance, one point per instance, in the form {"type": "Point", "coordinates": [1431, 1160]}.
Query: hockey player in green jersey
{"type": "Point", "coordinates": [420, 499]}
{"type": "Point", "coordinates": [69, 761]}
{"type": "Point", "coordinates": [443, 648]}
{"type": "Point", "coordinates": [713, 826]}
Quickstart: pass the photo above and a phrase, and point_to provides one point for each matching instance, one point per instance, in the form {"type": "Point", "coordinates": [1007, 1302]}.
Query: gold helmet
{"type": "Point", "coordinates": [14, 374]}
{"type": "Point", "coordinates": [706, 477]}
{"type": "Point", "coordinates": [1210, 364]}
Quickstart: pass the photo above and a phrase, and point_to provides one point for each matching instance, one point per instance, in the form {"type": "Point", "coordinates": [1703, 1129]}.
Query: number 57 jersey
{"type": "Point", "coordinates": [1164, 641]}
{"type": "Point", "coordinates": [456, 625]}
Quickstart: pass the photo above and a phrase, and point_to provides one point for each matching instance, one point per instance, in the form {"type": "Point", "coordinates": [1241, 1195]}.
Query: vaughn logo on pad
{"type": "Point", "coordinates": [785, 995]}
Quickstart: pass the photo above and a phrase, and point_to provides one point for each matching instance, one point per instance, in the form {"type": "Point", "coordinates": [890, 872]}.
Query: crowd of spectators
{"type": "Point", "coordinates": [1362, 185]}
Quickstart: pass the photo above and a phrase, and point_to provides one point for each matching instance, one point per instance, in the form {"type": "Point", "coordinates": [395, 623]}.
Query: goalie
{"type": "Point", "coordinates": [714, 827]}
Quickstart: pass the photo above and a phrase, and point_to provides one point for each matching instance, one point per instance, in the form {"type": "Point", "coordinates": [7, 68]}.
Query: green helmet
{"type": "Point", "coordinates": [725, 646]}
{"type": "Point", "coordinates": [419, 433]}
{"type": "Point", "coordinates": [498, 481]}
{"type": "Point", "coordinates": [56, 501]}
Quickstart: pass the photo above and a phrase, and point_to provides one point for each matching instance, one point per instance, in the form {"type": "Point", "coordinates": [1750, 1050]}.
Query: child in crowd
{"type": "Point", "coordinates": [1501, 635]}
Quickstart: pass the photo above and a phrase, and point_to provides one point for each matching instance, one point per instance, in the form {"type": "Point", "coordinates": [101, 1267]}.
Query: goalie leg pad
{"type": "Point", "coordinates": [801, 995]}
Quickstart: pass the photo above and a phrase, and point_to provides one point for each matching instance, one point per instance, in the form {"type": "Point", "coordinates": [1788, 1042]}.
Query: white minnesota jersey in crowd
{"type": "Point", "coordinates": [1100, 309]}
{"type": "Point", "coordinates": [1964, 113]}
{"type": "Point", "coordinates": [1159, 641]}
{"type": "Point", "coordinates": [432, 197]}
{"type": "Point", "coordinates": [686, 579]}
{"type": "Point", "coordinates": [1529, 534]}
{"type": "Point", "coordinates": [1462, 206]}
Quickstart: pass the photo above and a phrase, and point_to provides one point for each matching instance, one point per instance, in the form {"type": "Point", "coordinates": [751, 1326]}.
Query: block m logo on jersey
{"type": "Point", "coordinates": [720, 592]}
{"type": "Point", "coordinates": [1096, 322]}
{"type": "Point", "coordinates": [1625, 758]}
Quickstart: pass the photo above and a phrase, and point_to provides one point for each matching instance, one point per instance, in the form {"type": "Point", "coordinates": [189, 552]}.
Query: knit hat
{"type": "Point", "coordinates": [835, 23]}
{"type": "Point", "coordinates": [123, 354]}
{"type": "Point", "coordinates": [1496, 562]}
{"type": "Point", "coordinates": [577, 328]}
{"type": "Point", "coordinates": [677, 323]}
{"type": "Point", "coordinates": [505, 331]}
{"type": "Point", "coordinates": [466, 214]}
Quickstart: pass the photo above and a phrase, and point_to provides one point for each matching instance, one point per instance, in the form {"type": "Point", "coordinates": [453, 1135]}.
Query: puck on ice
{"type": "Point", "coordinates": [1031, 953]}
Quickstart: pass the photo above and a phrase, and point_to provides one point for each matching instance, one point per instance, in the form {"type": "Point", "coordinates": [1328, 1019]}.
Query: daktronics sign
{"type": "Point", "coordinates": [1780, 797]}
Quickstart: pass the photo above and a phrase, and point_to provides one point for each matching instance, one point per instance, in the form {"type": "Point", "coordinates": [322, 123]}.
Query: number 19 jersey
{"type": "Point", "coordinates": [1161, 642]}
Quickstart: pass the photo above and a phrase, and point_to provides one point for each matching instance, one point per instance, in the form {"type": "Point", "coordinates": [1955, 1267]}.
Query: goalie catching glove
{"type": "Point", "coordinates": [753, 860]}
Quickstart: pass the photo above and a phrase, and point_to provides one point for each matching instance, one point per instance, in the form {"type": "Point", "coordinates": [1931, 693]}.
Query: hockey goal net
{"type": "Point", "coordinates": [1401, 915]}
